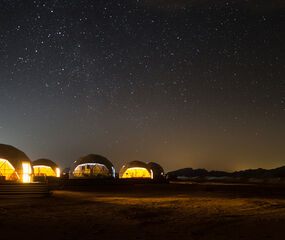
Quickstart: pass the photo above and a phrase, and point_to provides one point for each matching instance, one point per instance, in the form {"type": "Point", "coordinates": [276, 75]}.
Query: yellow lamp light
{"type": "Point", "coordinates": [137, 172]}
{"type": "Point", "coordinates": [27, 171]}
{"type": "Point", "coordinates": [57, 172]}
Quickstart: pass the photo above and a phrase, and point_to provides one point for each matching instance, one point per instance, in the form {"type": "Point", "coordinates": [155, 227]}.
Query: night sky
{"type": "Point", "coordinates": [196, 83]}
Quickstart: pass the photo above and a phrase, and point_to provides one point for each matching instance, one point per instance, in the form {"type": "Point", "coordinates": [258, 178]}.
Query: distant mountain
{"type": "Point", "coordinates": [250, 173]}
{"type": "Point", "coordinates": [261, 173]}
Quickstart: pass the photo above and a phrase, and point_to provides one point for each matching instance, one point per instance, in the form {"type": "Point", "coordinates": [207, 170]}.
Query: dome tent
{"type": "Point", "coordinates": [14, 164]}
{"type": "Point", "coordinates": [158, 172]}
{"type": "Point", "coordinates": [45, 167]}
{"type": "Point", "coordinates": [92, 166]}
{"type": "Point", "coordinates": [135, 169]}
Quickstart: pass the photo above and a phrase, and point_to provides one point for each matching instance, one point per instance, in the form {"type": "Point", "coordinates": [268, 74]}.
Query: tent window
{"type": "Point", "coordinates": [42, 170]}
{"type": "Point", "coordinates": [137, 172]}
{"type": "Point", "coordinates": [91, 170]}
{"type": "Point", "coordinates": [7, 170]}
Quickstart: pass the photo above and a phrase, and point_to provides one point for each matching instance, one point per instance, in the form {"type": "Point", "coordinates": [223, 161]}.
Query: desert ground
{"type": "Point", "coordinates": [148, 211]}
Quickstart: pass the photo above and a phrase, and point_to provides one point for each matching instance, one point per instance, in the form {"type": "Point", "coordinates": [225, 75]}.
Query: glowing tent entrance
{"type": "Point", "coordinates": [27, 172]}
{"type": "Point", "coordinates": [91, 170]}
{"type": "Point", "coordinates": [136, 172]}
{"type": "Point", "coordinates": [44, 171]}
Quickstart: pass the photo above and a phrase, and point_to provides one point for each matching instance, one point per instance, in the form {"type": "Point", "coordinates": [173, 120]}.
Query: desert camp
{"type": "Point", "coordinates": [142, 119]}
{"type": "Point", "coordinates": [90, 196]}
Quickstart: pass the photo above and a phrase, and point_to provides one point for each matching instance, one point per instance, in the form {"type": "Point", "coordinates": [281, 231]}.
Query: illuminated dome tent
{"type": "Point", "coordinates": [136, 169]}
{"type": "Point", "coordinates": [92, 166]}
{"type": "Point", "coordinates": [14, 164]}
{"type": "Point", "coordinates": [158, 172]}
{"type": "Point", "coordinates": [45, 168]}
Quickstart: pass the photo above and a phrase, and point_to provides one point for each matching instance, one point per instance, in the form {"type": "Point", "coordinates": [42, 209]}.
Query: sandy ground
{"type": "Point", "coordinates": [169, 211]}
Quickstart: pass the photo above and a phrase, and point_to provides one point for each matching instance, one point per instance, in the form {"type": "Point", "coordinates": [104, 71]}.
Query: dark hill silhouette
{"type": "Point", "coordinates": [249, 173]}
{"type": "Point", "coordinates": [261, 173]}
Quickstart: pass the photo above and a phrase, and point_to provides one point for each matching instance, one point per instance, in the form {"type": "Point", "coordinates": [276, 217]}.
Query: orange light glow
{"type": "Point", "coordinates": [42, 170]}
{"type": "Point", "coordinates": [57, 172]}
{"type": "Point", "coordinates": [27, 172]}
{"type": "Point", "coordinates": [136, 173]}
{"type": "Point", "coordinates": [7, 170]}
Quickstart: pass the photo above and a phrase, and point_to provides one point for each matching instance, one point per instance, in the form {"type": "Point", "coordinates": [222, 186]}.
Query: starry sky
{"type": "Point", "coordinates": [196, 83]}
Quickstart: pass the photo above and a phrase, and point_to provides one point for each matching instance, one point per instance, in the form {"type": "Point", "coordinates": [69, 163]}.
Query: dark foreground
{"type": "Point", "coordinates": [168, 211]}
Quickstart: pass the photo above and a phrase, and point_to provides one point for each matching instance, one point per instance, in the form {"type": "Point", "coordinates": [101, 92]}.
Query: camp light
{"type": "Point", "coordinates": [27, 171]}
{"type": "Point", "coordinates": [57, 172]}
